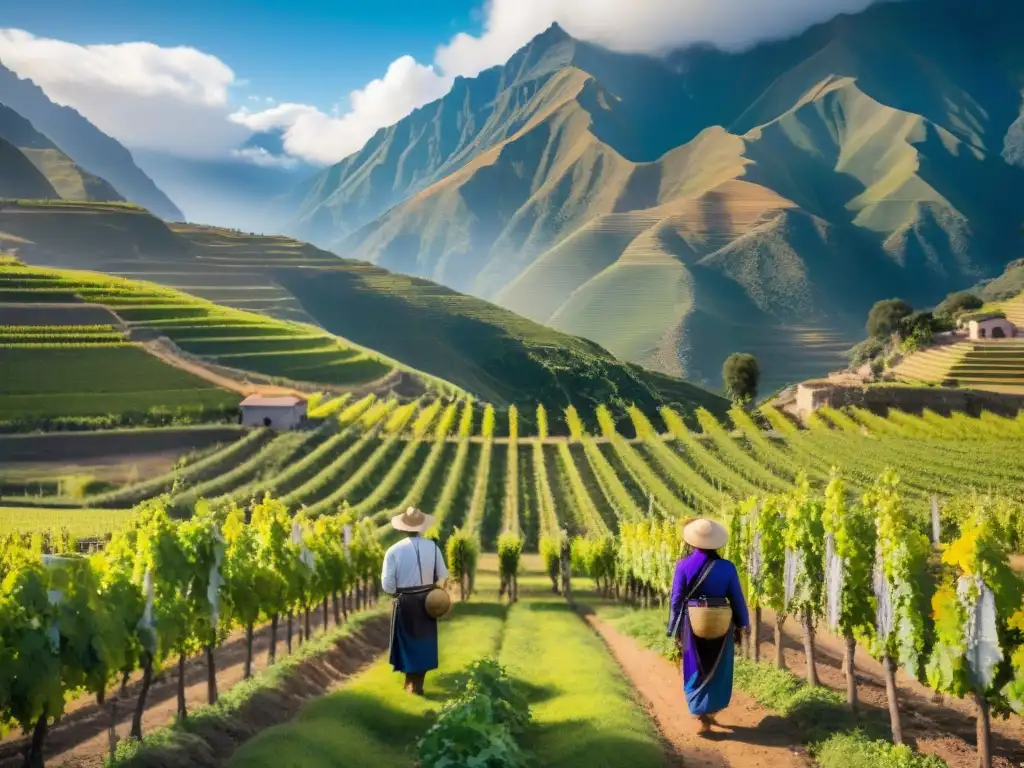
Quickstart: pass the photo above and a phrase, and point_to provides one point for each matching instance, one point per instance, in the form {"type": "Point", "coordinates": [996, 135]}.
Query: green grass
{"type": "Point", "coordinates": [81, 523]}
{"type": "Point", "coordinates": [372, 722]}
{"type": "Point", "coordinates": [585, 712]}
{"type": "Point", "coordinates": [97, 380]}
{"type": "Point", "coordinates": [176, 743]}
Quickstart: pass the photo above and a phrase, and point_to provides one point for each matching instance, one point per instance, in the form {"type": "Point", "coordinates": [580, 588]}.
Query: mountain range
{"type": "Point", "coordinates": [76, 157]}
{"type": "Point", "coordinates": [679, 209]}
{"type": "Point", "coordinates": [672, 209]}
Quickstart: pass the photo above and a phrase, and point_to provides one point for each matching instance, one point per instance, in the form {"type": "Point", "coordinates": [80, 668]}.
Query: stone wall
{"type": "Point", "coordinates": [880, 399]}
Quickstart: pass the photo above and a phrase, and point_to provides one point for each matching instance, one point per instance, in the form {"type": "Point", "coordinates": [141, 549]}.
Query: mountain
{"type": "Point", "coordinates": [19, 177]}
{"type": "Point", "coordinates": [676, 210]}
{"type": "Point", "coordinates": [63, 176]}
{"type": "Point", "coordinates": [84, 143]}
{"type": "Point", "coordinates": [483, 348]}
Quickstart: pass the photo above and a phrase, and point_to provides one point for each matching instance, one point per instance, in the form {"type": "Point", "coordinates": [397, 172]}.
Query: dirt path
{"type": "Point", "coordinates": [944, 727]}
{"type": "Point", "coordinates": [747, 736]}
{"type": "Point", "coordinates": [243, 387]}
{"type": "Point", "coordinates": [80, 739]}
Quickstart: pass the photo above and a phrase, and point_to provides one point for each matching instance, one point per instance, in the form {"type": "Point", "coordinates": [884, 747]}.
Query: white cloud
{"type": "Point", "coordinates": [649, 26]}
{"type": "Point", "coordinates": [318, 137]}
{"type": "Point", "coordinates": [166, 99]}
{"type": "Point", "coordinates": [263, 158]}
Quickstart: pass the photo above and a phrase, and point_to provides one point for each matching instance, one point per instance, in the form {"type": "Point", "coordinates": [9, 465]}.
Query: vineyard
{"type": "Point", "coordinates": [599, 504]}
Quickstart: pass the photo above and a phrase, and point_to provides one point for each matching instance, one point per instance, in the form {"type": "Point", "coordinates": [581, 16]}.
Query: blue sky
{"type": "Point", "coordinates": [292, 50]}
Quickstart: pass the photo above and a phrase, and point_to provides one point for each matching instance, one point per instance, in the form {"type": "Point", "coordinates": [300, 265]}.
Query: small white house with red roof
{"type": "Point", "coordinates": [281, 413]}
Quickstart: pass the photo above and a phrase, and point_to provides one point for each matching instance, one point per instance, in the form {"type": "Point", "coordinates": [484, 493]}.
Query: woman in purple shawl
{"type": "Point", "coordinates": [707, 664]}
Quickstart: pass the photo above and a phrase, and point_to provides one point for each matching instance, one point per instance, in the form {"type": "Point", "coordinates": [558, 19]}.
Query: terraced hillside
{"type": "Point", "coordinates": [141, 318]}
{"type": "Point", "coordinates": [996, 365]}
{"type": "Point", "coordinates": [478, 346]}
{"type": "Point", "coordinates": [61, 360]}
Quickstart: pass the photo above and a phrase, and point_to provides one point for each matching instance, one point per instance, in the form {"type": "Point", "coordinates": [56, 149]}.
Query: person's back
{"type": "Point", "coordinates": [411, 569]}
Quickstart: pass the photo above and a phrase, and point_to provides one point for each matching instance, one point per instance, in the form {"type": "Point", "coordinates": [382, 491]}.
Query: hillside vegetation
{"type": "Point", "coordinates": [478, 346]}
{"type": "Point", "coordinates": [878, 154]}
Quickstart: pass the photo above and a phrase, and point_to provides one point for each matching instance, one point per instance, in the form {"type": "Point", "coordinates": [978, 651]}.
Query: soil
{"type": "Point", "coordinates": [941, 726]}
{"type": "Point", "coordinates": [746, 734]}
{"type": "Point", "coordinates": [80, 739]}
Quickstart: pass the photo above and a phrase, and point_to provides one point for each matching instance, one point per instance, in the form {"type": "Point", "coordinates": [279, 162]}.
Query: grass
{"type": "Point", "coordinates": [81, 523]}
{"type": "Point", "coordinates": [372, 722]}
{"type": "Point", "coordinates": [584, 710]}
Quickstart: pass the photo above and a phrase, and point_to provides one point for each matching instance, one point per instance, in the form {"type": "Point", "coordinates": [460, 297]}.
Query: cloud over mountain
{"type": "Point", "coordinates": [649, 26]}
{"type": "Point", "coordinates": [168, 99]}
{"type": "Point", "coordinates": [177, 100]}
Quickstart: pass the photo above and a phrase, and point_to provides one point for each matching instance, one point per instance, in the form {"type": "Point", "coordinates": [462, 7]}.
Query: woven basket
{"type": "Point", "coordinates": [710, 622]}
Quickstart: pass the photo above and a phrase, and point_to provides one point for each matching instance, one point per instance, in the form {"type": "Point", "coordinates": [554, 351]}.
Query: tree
{"type": "Point", "coordinates": [741, 374]}
{"type": "Point", "coordinates": [885, 315]}
{"type": "Point", "coordinates": [247, 580]}
{"type": "Point", "coordinates": [958, 302]}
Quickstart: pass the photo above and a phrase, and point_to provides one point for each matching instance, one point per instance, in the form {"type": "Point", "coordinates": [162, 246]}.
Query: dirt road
{"type": "Point", "coordinates": [746, 736]}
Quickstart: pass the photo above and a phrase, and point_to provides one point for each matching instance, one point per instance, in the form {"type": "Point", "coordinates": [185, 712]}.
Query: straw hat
{"type": "Point", "coordinates": [705, 534]}
{"type": "Point", "coordinates": [412, 521]}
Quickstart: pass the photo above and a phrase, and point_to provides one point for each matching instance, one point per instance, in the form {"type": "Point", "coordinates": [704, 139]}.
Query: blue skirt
{"type": "Point", "coordinates": [413, 633]}
{"type": "Point", "coordinates": [709, 687]}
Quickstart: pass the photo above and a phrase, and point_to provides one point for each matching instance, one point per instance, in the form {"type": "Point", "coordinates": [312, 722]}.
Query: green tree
{"type": "Point", "coordinates": [273, 528]}
{"type": "Point", "coordinates": [958, 302]}
{"type": "Point", "coordinates": [741, 374]}
{"type": "Point", "coordinates": [885, 315]}
{"type": "Point", "coordinates": [766, 568]}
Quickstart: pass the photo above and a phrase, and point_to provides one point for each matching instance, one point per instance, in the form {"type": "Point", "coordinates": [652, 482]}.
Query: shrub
{"type": "Point", "coordinates": [741, 374]}
{"type": "Point", "coordinates": [958, 302]}
{"type": "Point", "coordinates": [885, 315]}
{"type": "Point", "coordinates": [478, 727]}
{"type": "Point", "coordinates": [866, 350]}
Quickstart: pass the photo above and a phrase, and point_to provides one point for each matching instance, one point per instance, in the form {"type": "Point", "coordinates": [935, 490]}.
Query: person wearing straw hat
{"type": "Point", "coordinates": [707, 617]}
{"type": "Point", "coordinates": [412, 568]}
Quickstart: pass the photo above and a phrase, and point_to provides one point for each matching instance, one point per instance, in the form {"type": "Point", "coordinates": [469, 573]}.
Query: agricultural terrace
{"type": "Point", "coordinates": [996, 365]}
{"type": "Point", "coordinates": [236, 339]}
{"type": "Point", "coordinates": [76, 368]}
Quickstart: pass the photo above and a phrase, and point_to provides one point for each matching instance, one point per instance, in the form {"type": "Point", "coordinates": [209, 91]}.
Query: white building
{"type": "Point", "coordinates": [992, 327]}
{"type": "Point", "coordinates": [275, 412]}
